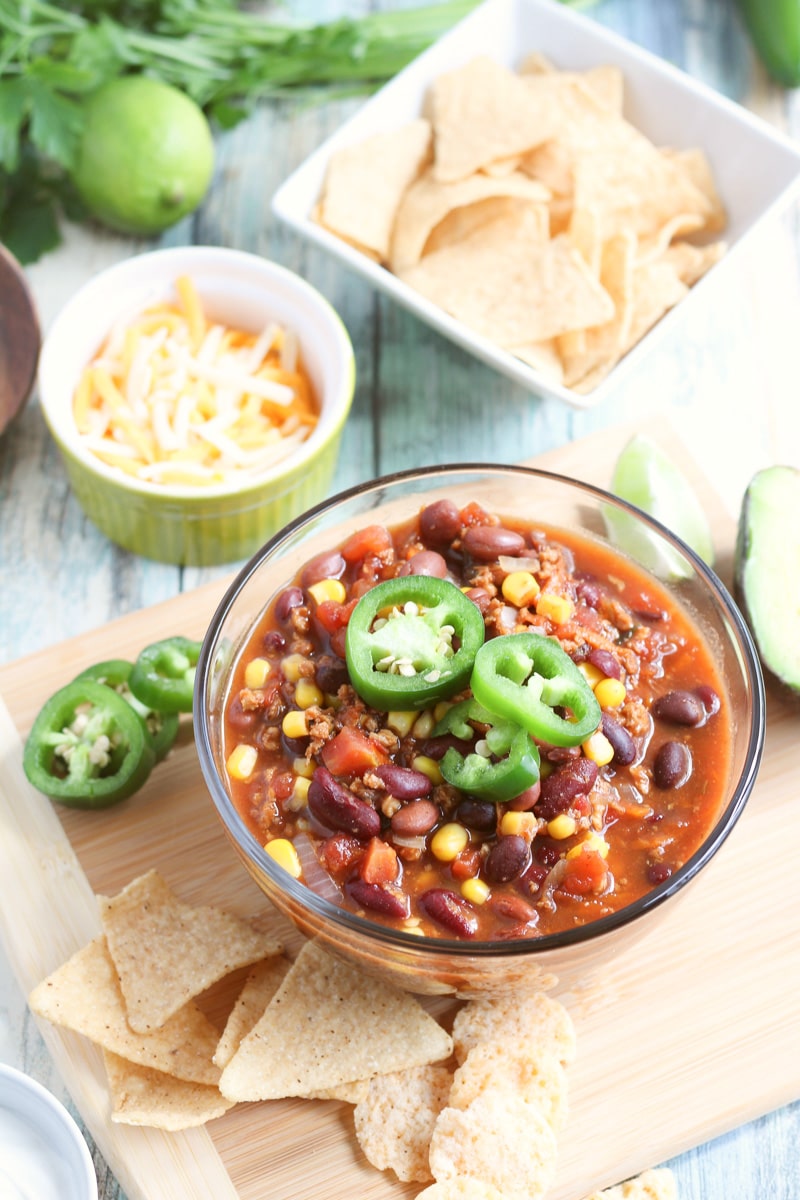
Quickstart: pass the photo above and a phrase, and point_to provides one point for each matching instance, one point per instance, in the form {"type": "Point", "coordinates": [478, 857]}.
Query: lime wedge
{"type": "Point", "coordinates": [647, 477]}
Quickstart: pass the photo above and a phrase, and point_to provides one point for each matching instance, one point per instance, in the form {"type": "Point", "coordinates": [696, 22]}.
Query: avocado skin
{"type": "Point", "coordinates": [767, 571]}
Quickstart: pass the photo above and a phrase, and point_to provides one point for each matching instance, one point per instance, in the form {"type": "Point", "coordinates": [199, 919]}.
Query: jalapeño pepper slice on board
{"type": "Point", "coordinates": [509, 765]}
{"type": "Point", "coordinates": [162, 728]}
{"type": "Point", "coordinates": [87, 747]}
{"type": "Point", "coordinates": [412, 641]}
{"type": "Point", "coordinates": [163, 674]}
{"type": "Point", "coordinates": [525, 677]}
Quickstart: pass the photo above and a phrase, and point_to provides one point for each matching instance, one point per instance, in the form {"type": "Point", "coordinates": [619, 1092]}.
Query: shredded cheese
{"type": "Point", "coordinates": [173, 398]}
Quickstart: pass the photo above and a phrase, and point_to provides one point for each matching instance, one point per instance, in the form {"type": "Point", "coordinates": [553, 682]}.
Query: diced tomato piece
{"type": "Point", "coordinates": [466, 864]}
{"type": "Point", "coordinates": [373, 539]}
{"type": "Point", "coordinates": [586, 874]}
{"type": "Point", "coordinates": [332, 616]}
{"type": "Point", "coordinates": [379, 864]}
{"type": "Point", "coordinates": [282, 785]}
{"type": "Point", "coordinates": [473, 514]}
{"type": "Point", "coordinates": [340, 852]}
{"type": "Point", "coordinates": [351, 752]}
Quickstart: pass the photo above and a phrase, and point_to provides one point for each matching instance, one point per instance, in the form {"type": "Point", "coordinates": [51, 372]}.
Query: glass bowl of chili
{"type": "Point", "coordinates": [473, 726]}
{"type": "Point", "coordinates": [197, 396]}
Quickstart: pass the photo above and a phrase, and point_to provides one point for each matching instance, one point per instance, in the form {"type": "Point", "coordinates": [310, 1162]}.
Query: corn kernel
{"type": "Point", "coordinates": [592, 674]}
{"type": "Point", "coordinates": [285, 855]}
{"type": "Point", "coordinates": [518, 824]}
{"type": "Point", "coordinates": [592, 841]}
{"type": "Point", "coordinates": [291, 666]}
{"type": "Point", "coordinates": [242, 761]}
{"type": "Point", "coordinates": [429, 767]}
{"type": "Point", "coordinates": [558, 608]}
{"type": "Point", "coordinates": [610, 693]}
{"type": "Point", "coordinates": [328, 589]}
{"type": "Point", "coordinates": [546, 768]}
{"type": "Point", "coordinates": [301, 786]}
{"type": "Point", "coordinates": [477, 891]}
{"type": "Point", "coordinates": [295, 724]}
{"type": "Point", "coordinates": [302, 766]}
{"type": "Point", "coordinates": [598, 748]}
{"type": "Point", "coordinates": [307, 693]}
{"type": "Point", "coordinates": [520, 588]}
{"type": "Point", "coordinates": [441, 710]}
{"type": "Point", "coordinates": [423, 726]}
{"type": "Point", "coordinates": [562, 826]}
{"type": "Point", "coordinates": [256, 672]}
{"type": "Point", "coordinates": [448, 841]}
{"type": "Point", "coordinates": [401, 722]}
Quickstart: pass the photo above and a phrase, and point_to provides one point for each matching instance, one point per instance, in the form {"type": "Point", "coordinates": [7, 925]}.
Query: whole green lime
{"type": "Point", "coordinates": [146, 156]}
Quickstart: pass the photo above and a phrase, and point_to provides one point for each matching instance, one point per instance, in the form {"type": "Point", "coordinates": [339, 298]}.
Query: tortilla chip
{"type": "Point", "coordinates": [696, 165]}
{"type": "Point", "coordinates": [84, 995]}
{"type": "Point", "coordinates": [349, 1093]}
{"type": "Point", "coordinates": [364, 184]}
{"type": "Point", "coordinates": [329, 1024]}
{"type": "Point", "coordinates": [540, 1020]}
{"type": "Point", "coordinates": [511, 286]}
{"type": "Point", "coordinates": [395, 1120]}
{"type": "Point", "coordinates": [690, 263]}
{"type": "Point", "coordinates": [461, 223]}
{"type": "Point", "coordinates": [498, 1139]}
{"type": "Point", "coordinates": [514, 1066]}
{"type": "Point", "coordinates": [543, 357]}
{"type": "Point", "coordinates": [460, 1188]}
{"type": "Point", "coordinates": [605, 82]}
{"type": "Point", "coordinates": [428, 201]}
{"type": "Point", "coordinates": [259, 987]}
{"type": "Point", "coordinates": [142, 1096]}
{"type": "Point", "coordinates": [658, 1184]}
{"type": "Point", "coordinates": [167, 952]}
{"type": "Point", "coordinates": [678, 227]}
{"type": "Point", "coordinates": [604, 344]}
{"type": "Point", "coordinates": [482, 112]}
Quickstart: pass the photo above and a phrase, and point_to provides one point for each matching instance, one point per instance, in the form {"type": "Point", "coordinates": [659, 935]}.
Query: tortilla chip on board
{"type": "Point", "coordinates": [142, 1096]}
{"type": "Point", "coordinates": [395, 1120]}
{"type": "Point", "coordinates": [656, 1184]}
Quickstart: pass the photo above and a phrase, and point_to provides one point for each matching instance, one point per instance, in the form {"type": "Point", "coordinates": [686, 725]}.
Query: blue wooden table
{"type": "Point", "coordinates": [730, 382]}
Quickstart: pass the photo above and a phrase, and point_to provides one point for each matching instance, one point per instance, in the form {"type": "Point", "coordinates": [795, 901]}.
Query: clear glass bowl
{"type": "Point", "coordinates": [428, 965]}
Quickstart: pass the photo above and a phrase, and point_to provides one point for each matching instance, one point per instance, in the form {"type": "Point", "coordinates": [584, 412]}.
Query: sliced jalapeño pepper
{"type": "Point", "coordinates": [162, 728]}
{"type": "Point", "coordinates": [87, 747]}
{"type": "Point", "coordinates": [525, 677]}
{"type": "Point", "coordinates": [509, 765]}
{"type": "Point", "coordinates": [163, 675]}
{"type": "Point", "coordinates": [412, 641]}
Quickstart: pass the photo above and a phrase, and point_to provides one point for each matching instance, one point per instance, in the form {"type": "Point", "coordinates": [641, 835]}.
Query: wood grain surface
{"type": "Point", "coordinates": [683, 1038]}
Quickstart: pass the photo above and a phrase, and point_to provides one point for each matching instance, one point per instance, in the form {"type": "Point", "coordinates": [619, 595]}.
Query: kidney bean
{"type": "Point", "coordinates": [327, 565]}
{"type": "Point", "coordinates": [569, 780]}
{"type": "Point", "coordinates": [487, 542]}
{"type": "Point", "coordinates": [605, 661]}
{"type": "Point", "coordinates": [658, 872]}
{"type": "Point", "coordinates": [679, 708]}
{"type": "Point", "coordinates": [623, 744]}
{"type": "Point", "coordinates": [427, 562]}
{"type": "Point", "coordinates": [479, 815]}
{"type": "Point", "coordinates": [336, 807]}
{"type": "Point", "coordinates": [708, 698]}
{"type": "Point", "coordinates": [528, 799]}
{"type": "Point", "coordinates": [672, 765]}
{"type": "Point", "coordinates": [589, 593]}
{"type": "Point", "coordinates": [508, 858]}
{"type": "Point", "coordinates": [546, 853]}
{"type": "Point", "coordinates": [403, 782]}
{"type": "Point", "coordinates": [274, 642]}
{"type": "Point", "coordinates": [389, 902]}
{"type": "Point", "coordinates": [515, 908]}
{"type": "Point", "coordinates": [481, 598]}
{"type": "Point", "coordinates": [415, 819]}
{"type": "Point", "coordinates": [330, 673]}
{"type": "Point", "coordinates": [437, 747]}
{"type": "Point", "coordinates": [289, 598]}
{"type": "Point", "coordinates": [450, 911]}
{"type": "Point", "coordinates": [440, 523]}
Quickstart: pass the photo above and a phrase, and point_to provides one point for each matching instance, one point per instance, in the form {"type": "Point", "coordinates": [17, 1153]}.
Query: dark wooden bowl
{"type": "Point", "coordinates": [20, 338]}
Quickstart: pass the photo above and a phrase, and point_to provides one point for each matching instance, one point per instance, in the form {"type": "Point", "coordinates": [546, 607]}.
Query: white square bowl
{"type": "Point", "coordinates": [757, 171]}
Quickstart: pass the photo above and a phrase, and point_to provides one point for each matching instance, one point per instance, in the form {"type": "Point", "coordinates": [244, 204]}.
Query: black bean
{"type": "Point", "coordinates": [437, 747]}
{"type": "Point", "coordinates": [440, 523]}
{"type": "Point", "coordinates": [672, 765]}
{"type": "Point", "coordinates": [427, 562]}
{"type": "Point", "coordinates": [658, 872]}
{"type": "Point", "coordinates": [508, 858]}
{"type": "Point", "coordinates": [274, 642]}
{"type": "Point", "coordinates": [708, 698]}
{"type": "Point", "coordinates": [621, 741]}
{"type": "Point", "coordinates": [479, 815]}
{"type": "Point", "coordinates": [388, 901]}
{"type": "Point", "coordinates": [450, 911]}
{"type": "Point", "coordinates": [487, 542]}
{"type": "Point", "coordinates": [480, 598]}
{"type": "Point", "coordinates": [289, 598]}
{"type": "Point", "coordinates": [403, 782]}
{"type": "Point", "coordinates": [293, 747]}
{"type": "Point", "coordinates": [415, 819]}
{"type": "Point", "coordinates": [570, 779]}
{"type": "Point", "coordinates": [328, 565]}
{"type": "Point", "coordinates": [605, 661]}
{"type": "Point", "coordinates": [679, 708]}
{"type": "Point", "coordinates": [330, 673]}
{"type": "Point", "coordinates": [336, 807]}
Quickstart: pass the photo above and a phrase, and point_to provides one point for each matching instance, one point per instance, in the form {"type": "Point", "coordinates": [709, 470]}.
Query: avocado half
{"type": "Point", "coordinates": [767, 570]}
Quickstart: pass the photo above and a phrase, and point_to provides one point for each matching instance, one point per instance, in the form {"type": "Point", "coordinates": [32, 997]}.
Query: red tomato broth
{"type": "Point", "coordinates": [645, 831]}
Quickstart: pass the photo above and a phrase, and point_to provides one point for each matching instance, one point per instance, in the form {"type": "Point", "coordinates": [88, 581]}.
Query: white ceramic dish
{"type": "Point", "coordinates": [756, 169]}
{"type": "Point", "coordinates": [42, 1150]}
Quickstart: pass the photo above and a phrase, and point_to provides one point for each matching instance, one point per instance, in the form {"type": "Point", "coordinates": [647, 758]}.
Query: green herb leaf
{"type": "Point", "coordinates": [56, 123]}
{"type": "Point", "coordinates": [13, 108]}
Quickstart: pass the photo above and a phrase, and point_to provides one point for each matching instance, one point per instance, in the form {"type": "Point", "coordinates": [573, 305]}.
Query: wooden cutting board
{"type": "Point", "coordinates": [681, 1039]}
